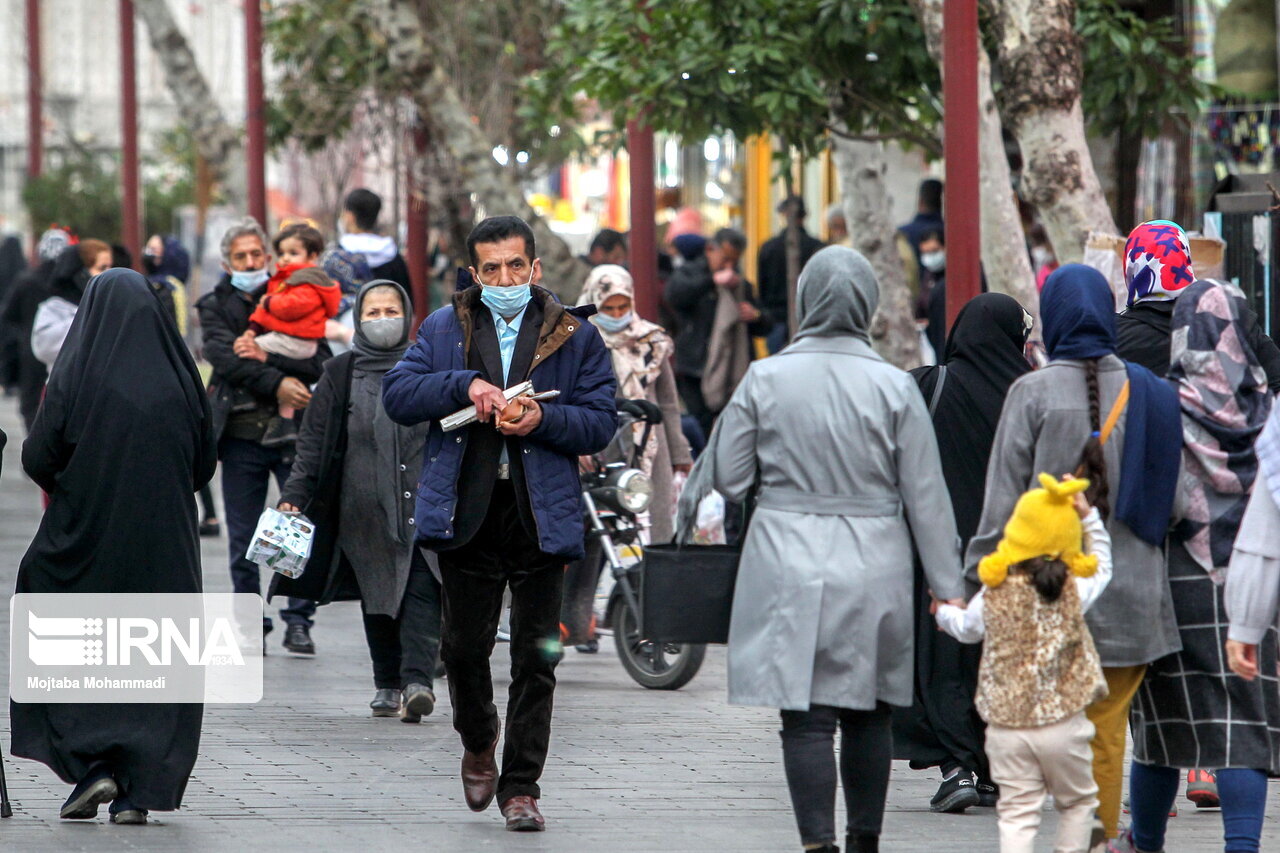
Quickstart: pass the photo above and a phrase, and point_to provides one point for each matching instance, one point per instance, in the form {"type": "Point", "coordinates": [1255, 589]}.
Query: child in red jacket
{"type": "Point", "coordinates": [290, 318]}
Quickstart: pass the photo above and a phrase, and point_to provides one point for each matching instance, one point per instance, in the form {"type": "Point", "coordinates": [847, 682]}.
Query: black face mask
{"type": "Point", "coordinates": [150, 263]}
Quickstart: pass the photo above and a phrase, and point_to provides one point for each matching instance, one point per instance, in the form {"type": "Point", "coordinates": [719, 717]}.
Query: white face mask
{"type": "Point", "coordinates": [934, 261]}
{"type": "Point", "coordinates": [384, 332]}
{"type": "Point", "coordinates": [613, 324]}
{"type": "Point", "coordinates": [1041, 256]}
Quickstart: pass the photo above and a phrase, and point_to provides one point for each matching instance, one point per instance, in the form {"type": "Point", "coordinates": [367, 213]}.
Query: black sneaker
{"type": "Point", "coordinates": [988, 794]}
{"type": "Point", "coordinates": [125, 812]}
{"type": "Point", "coordinates": [92, 791]}
{"type": "Point", "coordinates": [956, 794]}
{"type": "Point", "coordinates": [297, 639]}
{"type": "Point", "coordinates": [209, 528]}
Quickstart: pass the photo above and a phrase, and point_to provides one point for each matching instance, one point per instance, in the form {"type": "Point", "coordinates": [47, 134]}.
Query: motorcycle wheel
{"type": "Point", "coordinates": [656, 666]}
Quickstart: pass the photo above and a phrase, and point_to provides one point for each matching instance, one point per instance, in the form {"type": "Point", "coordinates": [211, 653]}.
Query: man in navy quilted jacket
{"type": "Point", "coordinates": [500, 502]}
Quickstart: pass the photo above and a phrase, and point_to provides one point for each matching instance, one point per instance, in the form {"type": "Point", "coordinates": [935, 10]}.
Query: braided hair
{"type": "Point", "coordinates": [1093, 464]}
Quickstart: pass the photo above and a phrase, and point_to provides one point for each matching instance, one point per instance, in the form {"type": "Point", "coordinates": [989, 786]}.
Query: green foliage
{"type": "Point", "coordinates": [748, 66]}
{"type": "Point", "coordinates": [336, 75]}
{"type": "Point", "coordinates": [331, 62]}
{"type": "Point", "coordinates": [168, 181]}
{"type": "Point", "coordinates": [82, 190]}
{"type": "Point", "coordinates": [795, 62]}
{"type": "Point", "coordinates": [79, 193]}
{"type": "Point", "coordinates": [1137, 73]}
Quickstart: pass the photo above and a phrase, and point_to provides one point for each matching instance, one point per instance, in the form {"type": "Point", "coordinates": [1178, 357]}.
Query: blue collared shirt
{"type": "Point", "coordinates": [507, 335]}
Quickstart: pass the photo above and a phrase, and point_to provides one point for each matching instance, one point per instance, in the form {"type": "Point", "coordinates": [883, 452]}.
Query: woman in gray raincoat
{"type": "Point", "coordinates": [850, 484]}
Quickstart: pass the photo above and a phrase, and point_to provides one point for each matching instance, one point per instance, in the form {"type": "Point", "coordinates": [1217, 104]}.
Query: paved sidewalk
{"type": "Point", "coordinates": [630, 769]}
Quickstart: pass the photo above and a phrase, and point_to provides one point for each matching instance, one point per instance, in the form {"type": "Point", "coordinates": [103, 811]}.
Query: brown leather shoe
{"type": "Point", "coordinates": [522, 815]}
{"type": "Point", "coordinates": [480, 777]}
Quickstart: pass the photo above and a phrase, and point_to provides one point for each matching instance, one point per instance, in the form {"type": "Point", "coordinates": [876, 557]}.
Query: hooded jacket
{"type": "Point", "coordinates": [301, 307]}
{"type": "Point", "coordinates": [383, 258]}
{"type": "Point", "coordinates": [432, 382]}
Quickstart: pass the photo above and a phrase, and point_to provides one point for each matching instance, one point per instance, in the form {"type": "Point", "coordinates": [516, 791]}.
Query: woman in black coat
{"type": "Point", "coordinates": [355, 476]}
{"type": "Point", "coordinates": [965, 394]}
{"type": "Point", "coordinates": [1143, 335]}
{"type": "Point", "coordinates": [121, 443]}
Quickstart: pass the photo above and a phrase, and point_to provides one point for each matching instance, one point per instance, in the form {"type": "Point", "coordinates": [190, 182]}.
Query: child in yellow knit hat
{"type": "Point", "coordinates": [1039, 667]}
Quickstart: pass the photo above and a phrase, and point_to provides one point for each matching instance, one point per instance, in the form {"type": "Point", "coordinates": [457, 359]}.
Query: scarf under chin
{"type": "Point", "coordinates": [1225, 403]}
{"type": "Point", "coordinates": [637, 351]}
{"type": "Point", "coordinates": [1078, 314]}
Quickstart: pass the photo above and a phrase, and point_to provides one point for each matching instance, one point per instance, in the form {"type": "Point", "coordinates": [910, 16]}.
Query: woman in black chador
{"type": "Point", "coordinates": [965, 394]}
{"type": "Point", "coordinates": [121, 443]}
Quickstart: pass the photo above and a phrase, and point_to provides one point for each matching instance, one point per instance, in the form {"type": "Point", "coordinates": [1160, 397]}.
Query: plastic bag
{"type": "Point", "coordinates": [709, 525]}
{"type": "Point", "coordinates": [678, 479]}
{"type": "Point", "coordinates": [282, 542]}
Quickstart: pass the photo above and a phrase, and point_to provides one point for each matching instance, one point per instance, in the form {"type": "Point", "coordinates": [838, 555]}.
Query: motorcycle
{"type": "Point", "coordinates": [614, 494]}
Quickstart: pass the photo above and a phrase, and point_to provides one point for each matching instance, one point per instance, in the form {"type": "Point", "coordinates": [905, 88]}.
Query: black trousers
{"type": "Point", "coordinates": [808, 756]}
{"type": "Point", "coordinates": [209, 509]}
{"type": "Point", "coordinates": [690, 388]}
{"type": "Point", "coordinates": [941, 728]}
{"type": "Point", "coordinates": [404, 647]}
{"type": "Point", "coordinates": [475, 576]}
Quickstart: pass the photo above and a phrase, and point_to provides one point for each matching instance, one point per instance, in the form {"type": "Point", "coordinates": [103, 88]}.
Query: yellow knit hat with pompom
{"type": "Point", "coordinates": [1044, 524]}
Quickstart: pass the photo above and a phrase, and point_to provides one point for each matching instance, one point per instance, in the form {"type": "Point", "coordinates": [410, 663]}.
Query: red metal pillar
{"type": "Point", "coordinates": [416, 231]}
{"type": "Point", "coordinates": [642, 241]}
{"type": "Point", "coordinates": [255, 119]}
{"type": "Point", "coordinates": [35, 97]}
{"type": "Point", "coordinates": [131, 207]}
{"type": "Point", "coordinates": [960, 148]}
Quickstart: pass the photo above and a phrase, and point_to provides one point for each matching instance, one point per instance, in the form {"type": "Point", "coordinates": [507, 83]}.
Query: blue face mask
{"type": "Point", "coordinates": [613, 324]}
{"type": "Point", "coordinates": [507, 301]}
{"type": "Point", "coordinates": [249, 279]}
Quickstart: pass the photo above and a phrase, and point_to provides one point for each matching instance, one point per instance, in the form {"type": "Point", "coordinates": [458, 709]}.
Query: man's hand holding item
{"type": "Point", "coordinates": [523, 422]}
{"type": "Point", "coordinates": [726, 278]}
{"type": "Point", "coordinates": [487, 399]}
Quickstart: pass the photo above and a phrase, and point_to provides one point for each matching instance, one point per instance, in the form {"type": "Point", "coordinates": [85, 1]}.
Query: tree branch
{"type": "Point", "coordinates": [453, 126]}
{"type": "Point", "coordinates": [216, 140]}
{"type": "Point", "coordinates": [928, 143]}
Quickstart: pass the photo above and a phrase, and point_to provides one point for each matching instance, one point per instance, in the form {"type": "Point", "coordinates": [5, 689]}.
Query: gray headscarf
{"type": "Point", "coordinates": [373, 358]}
{"type": "Point", "coordinates": [837, 295]}
{"type": "Point", "coordinates": [372, 478]}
